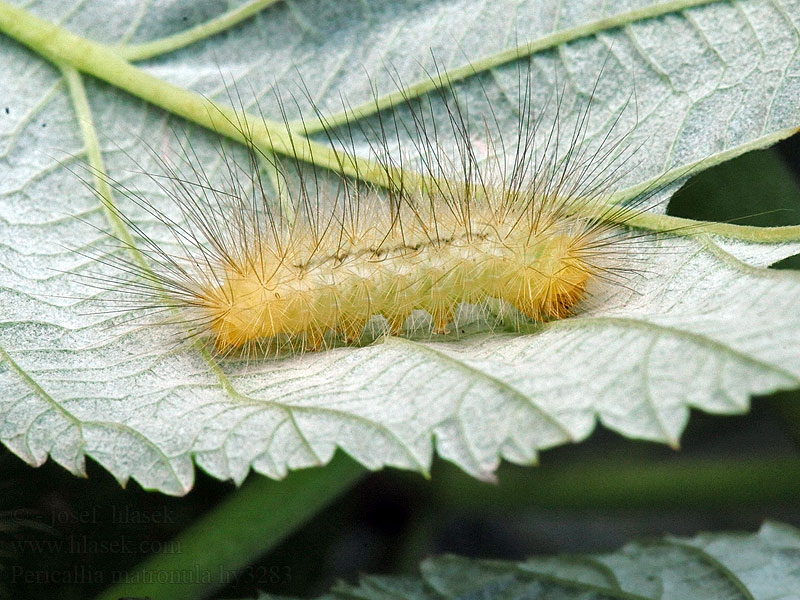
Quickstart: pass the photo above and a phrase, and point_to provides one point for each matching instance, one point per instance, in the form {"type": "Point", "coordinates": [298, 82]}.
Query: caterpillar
{"type": "Point", "coordinates": [469, 219]}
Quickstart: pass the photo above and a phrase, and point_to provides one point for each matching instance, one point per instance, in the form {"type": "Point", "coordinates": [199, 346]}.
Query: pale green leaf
{"type": "Point", "coordinates": [704, 326]}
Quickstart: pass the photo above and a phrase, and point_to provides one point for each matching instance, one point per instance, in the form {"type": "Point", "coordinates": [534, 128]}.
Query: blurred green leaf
{"type": "Point", "coordinates": [719, 566]}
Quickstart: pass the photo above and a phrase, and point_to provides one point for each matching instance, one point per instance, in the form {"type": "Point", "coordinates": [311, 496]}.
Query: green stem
{"type": "Point", "coordinates": [62, 47]}
{"type": "Point", "coordinates": [134, 52]}
{"type": "Point", "coordinates": [622, 483]}
{"type": "Point", "coordinates": [206, 556]}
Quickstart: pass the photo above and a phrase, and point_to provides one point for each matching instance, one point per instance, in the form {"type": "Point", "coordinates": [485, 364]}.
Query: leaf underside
{"type": "Point", "coordinates": [704, 325]}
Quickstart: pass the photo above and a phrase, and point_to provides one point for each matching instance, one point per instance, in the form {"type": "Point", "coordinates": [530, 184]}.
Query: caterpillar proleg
{"type": "Point", "coordinates": [271, 259]}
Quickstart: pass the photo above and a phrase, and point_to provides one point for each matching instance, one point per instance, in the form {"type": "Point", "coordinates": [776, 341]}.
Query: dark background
{"type": "Point", "coordinates": [391, 520]}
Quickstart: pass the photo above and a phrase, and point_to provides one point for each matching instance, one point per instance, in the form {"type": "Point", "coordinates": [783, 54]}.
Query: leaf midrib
{"type": "Point", "coordinates": [709, 559]}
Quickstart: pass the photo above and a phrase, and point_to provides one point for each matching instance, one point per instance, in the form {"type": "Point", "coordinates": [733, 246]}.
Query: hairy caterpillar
{"type": "Point", "coordinates": [523, 223]}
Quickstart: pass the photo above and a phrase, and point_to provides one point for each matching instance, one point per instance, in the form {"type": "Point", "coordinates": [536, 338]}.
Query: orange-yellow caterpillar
{"type": "Point", "coordinates": [523, 224]}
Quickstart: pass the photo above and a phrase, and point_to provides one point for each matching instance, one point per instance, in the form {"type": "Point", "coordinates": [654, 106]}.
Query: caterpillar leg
{"type": "Point", "coordinates": [314, 340]}
{"type": "Point", "coordinates": [396, 322]}
{"type": "Point", "coordinates": [351, 329]}
{"type": "Point", "coordinates": [441, 320]}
